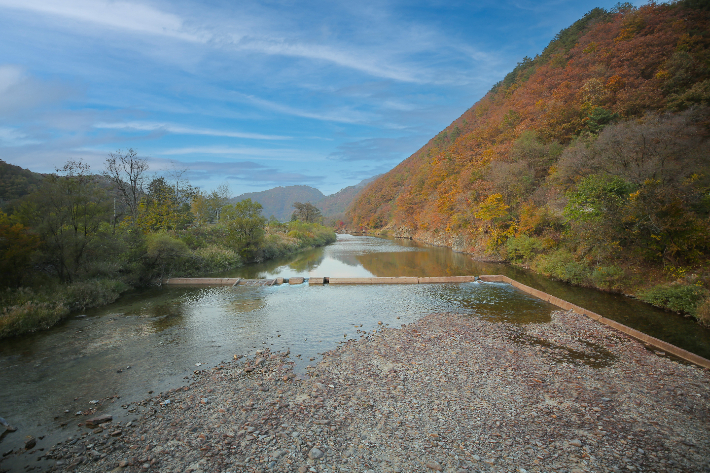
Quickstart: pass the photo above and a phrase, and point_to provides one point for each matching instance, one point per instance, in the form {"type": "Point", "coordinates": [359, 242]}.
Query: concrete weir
{"type": "Point", "coordinates": [320, 281]}
{"type": "Point", "coordinates": [653, 341]}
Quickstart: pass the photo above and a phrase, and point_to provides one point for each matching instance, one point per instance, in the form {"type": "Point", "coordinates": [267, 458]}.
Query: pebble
{"type": "Point", "coordinates": [315, 453]}
{"type": "Point", "coordinates": [434, 394]}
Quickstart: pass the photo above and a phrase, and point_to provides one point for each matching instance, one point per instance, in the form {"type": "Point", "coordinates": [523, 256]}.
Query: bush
{"type": "Point", "coordinates": [216, 258]}
{"type": "Point", "coordinates": [523, 248]}
{"type": "Point", "coordinates": [92, 293]}
{"type": "Point", "coordinates": [25, 310]}
{"type": "Point", "coordinates": [30, 316]}
{"type": "Point", "coordinates": [562, 265]}
{"type": "Point", "coordinates": [681, 298]}
{"type": "Point", "coordinates": [608, 277]}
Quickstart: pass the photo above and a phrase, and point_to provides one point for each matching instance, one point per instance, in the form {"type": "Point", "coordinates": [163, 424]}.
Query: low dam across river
{"type": "Point", "coordinates": [319, 281]}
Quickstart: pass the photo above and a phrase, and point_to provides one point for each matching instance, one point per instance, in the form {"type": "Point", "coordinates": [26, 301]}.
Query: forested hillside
{"type": "Point", "coordinates": [16, 182]}
{"type": "Point", "coordinates": [588, 163]}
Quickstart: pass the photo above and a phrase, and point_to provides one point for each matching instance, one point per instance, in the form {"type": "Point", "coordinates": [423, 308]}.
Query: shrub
{"type": "Point", "coordinates": [25, 310]}
{"type": "Point", "coordinates": [562, 265]}
{"type": "Point", "coordinates": [30, 316]}
{"type": "Point", "coordinates": [92, 293]}
{"type": "Point", "coordinates": [216, 258]}
{"type": "Point", "coordinates": [608, 277]}
{"type": "Point", "coordinates": [523, 247]}
{"type": "Point", "coordinates": [680, 298]}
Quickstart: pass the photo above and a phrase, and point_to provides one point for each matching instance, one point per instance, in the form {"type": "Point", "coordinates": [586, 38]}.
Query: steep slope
{"type": "Point", "coordinates": [16, 182]}
{"type": "Point", "coordinates": [594, 153]}
{"type": "Point", "coordinates": [335, 205]}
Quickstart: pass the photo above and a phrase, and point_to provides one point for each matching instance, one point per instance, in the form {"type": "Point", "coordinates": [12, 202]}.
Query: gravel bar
{"type": "Point", "coordinates": [448, 393]}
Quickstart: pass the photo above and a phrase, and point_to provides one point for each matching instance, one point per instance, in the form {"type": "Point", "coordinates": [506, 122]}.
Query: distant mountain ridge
{"type": "Point", "coordinates": [279, 200]}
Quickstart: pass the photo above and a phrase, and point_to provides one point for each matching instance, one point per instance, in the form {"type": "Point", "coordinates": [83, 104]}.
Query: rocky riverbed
{"type": "Point", "coordinates": [448, 393]}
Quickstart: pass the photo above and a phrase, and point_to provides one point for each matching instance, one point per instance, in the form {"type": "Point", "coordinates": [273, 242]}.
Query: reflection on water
{"type": "Point", "coordinates": [163, 333]}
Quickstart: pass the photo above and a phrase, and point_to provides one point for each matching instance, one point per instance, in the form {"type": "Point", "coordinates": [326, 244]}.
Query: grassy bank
{"type": "Point", "coordinates": [678, 289]}
{"type": "Point", "coordinates": [194, 251]}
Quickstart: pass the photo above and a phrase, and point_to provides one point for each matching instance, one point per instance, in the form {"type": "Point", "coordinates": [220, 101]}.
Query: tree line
{"type": "Point", "coordinates": [79, 238]}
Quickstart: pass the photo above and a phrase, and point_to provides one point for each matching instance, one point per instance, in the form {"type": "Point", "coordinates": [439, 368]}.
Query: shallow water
{"type": "Point", "coordinates": [164, 334]}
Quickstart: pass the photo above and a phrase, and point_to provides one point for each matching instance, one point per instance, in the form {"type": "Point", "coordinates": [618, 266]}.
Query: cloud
{"type": "Point", "coordinates": [376, 149]}
{"type": "Point", "coordinates": [20, 93]}
{"type": "Point", "coordinates": [13, 137]}
{"type": "Point", "coordinates": [114, 14]}
{"type": "Point", "coordinates": [368, 63]}
{"type": "Point", "coordinates": [186, 130]}
{"type": "Point", "coordinates": [403, 59]}
{"type": "Point", "coordinates": [246, 172]}
{"type": "Point", "coordinates": [340, 116]}
{"type": "Point", "coordinates": [275, 154]}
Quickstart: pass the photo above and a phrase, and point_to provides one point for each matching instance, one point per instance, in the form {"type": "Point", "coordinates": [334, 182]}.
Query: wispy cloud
{"type": "Point", "coordinates": [186, 130]}
{"type": "Point", "coordinates": [339, 116]}
{"type": "Point", "coordinates": [375, 149]}
{"type": "Point", "coordinates": [13, 137]}
{"type": "Point", "coordinates": [245, 172]}
{"type": "Point", "coordinates": [115, 14]}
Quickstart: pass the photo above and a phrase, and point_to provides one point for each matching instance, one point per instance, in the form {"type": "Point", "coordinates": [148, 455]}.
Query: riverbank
{"type": "Point", "coordinates": [447, 393]}
{"type": "Point", "coordinates": [48, 302]}
{"type": "Point", "coordinates": [683, 290]}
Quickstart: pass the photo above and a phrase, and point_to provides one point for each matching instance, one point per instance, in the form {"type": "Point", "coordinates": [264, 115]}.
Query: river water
{"type": "Point", "coordinates": [153, 340]}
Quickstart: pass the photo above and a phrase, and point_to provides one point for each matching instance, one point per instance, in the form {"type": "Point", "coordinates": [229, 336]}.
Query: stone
{"type": "Point", "coordinates": [91, 423]}
{"type": "Point", "coordinates": [576, 443]}
{"type": "Point", "coordinates": [295, 280]}
{"type": "Point", "coordinates": [30, 443]}
{"type": "Point", "coordinates": [434, 465]}
{"type": "Point", "coordinates": [315, 453]}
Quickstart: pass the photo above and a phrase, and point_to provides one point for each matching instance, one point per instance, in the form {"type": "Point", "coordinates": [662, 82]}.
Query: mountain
{"type": "Point", "coordinates": [334, 205]}
{"type": "Point", "coordinates": [279, 200]}
{"type": "Point", "coordinates": [587, 162]}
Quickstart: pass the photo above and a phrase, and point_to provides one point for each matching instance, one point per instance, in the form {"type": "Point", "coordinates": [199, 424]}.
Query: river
{"type": "Point", "coordinates": [153, 340]}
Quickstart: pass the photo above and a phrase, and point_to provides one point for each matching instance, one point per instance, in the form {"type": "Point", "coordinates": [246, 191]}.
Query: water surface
{"type": "Point", "coordinates": [164, 334]}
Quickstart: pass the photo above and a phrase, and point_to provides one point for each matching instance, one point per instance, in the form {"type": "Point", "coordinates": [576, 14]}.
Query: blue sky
{"type": "Point", "coordinates": [254, 94]}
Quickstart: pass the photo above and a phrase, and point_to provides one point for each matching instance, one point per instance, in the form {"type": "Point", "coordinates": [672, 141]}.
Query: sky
{"type": "Point", "coordinates": [254, 94]}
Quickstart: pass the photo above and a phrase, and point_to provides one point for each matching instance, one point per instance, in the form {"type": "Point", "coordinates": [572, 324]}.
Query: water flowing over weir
{"type": "Point", "coordinates": [166, 333]}
{"type": "Point", "coordinates": [319, 281]}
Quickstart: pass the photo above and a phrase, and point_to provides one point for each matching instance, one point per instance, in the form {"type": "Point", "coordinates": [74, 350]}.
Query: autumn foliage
{"type": "Point", "coordinates": [597, 147]}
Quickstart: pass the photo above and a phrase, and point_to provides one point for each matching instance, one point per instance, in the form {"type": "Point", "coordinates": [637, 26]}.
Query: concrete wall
{"type": "Point", "coordinates": [665, 346]}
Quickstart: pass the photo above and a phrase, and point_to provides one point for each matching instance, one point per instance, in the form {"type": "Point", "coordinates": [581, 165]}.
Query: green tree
{"type": "Point", "coordinates": [207, 207]}
{"type": "Point", "coordinates": [161, 209]}
{"type": "Point", "coordinates": [163, 252]}
{"type": "Point", "coordinates": [307, 213]}
{"type": "Point", "coordinates": [17, 245]}
{"type": "Point", "coordinates": [67, 212]}
{"type": "Point", "coordinates": [245, 227]}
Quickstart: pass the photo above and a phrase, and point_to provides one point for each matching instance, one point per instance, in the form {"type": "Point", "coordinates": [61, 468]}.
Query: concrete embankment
{"type": "Point", "coordinates": [665, 346]}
